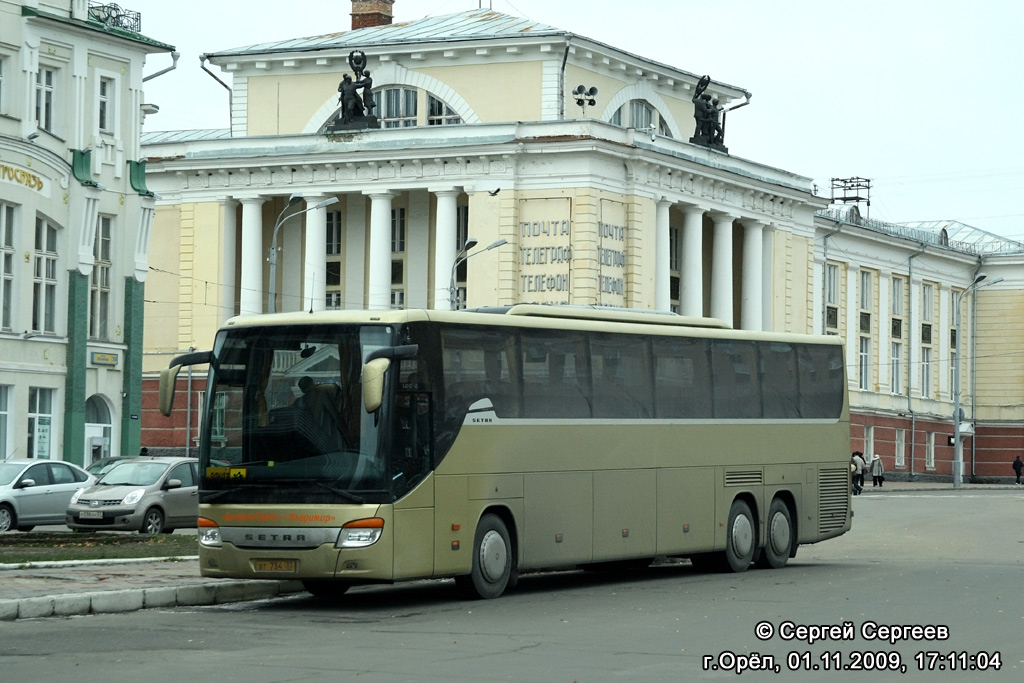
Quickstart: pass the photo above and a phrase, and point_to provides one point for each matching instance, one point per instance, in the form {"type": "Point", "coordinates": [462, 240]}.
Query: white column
{"type": "Point", "coordinates": [314, 267]}
{"type": "Point", "coordinates": [721, 269]}
{"type": "Point", "coordinates": [750, 299]}
{"type": "Point", "coordinates": [251, 296]}
{"type": "Point", "coordinates": [767, 278]}
{"type": "Point", "coordinates": [662, 274]}
{"type": "Point", "coordinates": [229, 250]}
{"type": "Point", "coordinates": [691, 280]}
{"type": "Point", "coordinates": [444, 246]}
{"type": "Point", "coordinates": [379, 280]}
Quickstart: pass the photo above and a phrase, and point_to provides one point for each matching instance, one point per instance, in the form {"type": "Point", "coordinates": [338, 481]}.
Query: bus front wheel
{"type": "Point", "coordinates": [493, 564]}
{"type": "Point", "coordinates": [325, 588]}
{"type": "Point", "coordinates": [741, 541]}
{"type": "Point", "coordinates": [779, 544]}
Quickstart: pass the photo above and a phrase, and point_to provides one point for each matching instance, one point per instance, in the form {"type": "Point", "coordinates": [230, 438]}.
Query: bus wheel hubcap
{"type": "Point", "coordinates": [742, 535]}
{"type": "Point", "coordinates": [780, 534]}
{"type": "Point", "coordinates": [492, 556]}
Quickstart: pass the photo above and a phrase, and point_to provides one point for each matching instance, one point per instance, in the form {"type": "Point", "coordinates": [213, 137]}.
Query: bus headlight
{"type": "Point", "coordinates": [360, 533]}
{"type": "Point", "coordinates": [208, 532]}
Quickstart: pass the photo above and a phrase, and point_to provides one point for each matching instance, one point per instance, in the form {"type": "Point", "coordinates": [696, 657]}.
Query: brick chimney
{"type": "Point", "coordinates": [367, 13]}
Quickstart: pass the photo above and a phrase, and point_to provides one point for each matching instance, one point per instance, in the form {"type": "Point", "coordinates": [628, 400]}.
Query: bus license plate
{"type": "Point", "coordinates": [91, 514]}
{"type": "Point", "coordinates": [274, 565]}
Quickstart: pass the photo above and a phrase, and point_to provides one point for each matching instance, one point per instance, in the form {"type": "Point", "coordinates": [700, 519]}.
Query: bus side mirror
{"type": "Point", "coordinates": [168, 379]}
{"type": "Point", "coordinates": [373, 383]}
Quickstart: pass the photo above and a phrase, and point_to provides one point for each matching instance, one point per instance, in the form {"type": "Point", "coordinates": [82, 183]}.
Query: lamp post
{"type": "Point", "coordinates": [459, 258]}
{"type": "Point", "coordinates": [281, 218]}
{"type": "Point", "coordinates": [958, 446]}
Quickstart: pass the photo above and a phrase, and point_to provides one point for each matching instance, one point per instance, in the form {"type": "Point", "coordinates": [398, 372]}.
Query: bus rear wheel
{"type": "Point", "coordinates": [493, 563]}
{"type": "Point", "coordinates": [741, 539]}
{"type": "Point", "coordinates": [779, 544]}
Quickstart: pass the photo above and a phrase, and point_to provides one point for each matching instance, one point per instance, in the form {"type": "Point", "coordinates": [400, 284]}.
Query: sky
{"type": "Point", "coordinates": [922, 97]}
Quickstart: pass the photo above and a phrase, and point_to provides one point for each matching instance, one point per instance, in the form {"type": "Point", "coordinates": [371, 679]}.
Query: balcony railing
{"type": "Point", "coordinates": [115, 16]}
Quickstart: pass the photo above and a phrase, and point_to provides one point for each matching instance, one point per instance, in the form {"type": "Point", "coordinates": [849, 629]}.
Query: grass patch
{"type": "Point", "coordinates": [18, 548]}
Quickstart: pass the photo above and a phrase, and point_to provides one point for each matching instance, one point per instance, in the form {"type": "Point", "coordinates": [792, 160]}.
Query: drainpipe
{"type": "Point", "coordinates": [561, 79]}
{"type": "Point", "coordinates": [202, 65]}
{"type": "Point", "coordinates": [910, 352]}
{"type": "Point", "coordinates": [172, 67]}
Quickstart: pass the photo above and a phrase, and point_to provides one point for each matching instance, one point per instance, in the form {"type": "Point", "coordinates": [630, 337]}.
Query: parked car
{"type": "Point", "coordinates": [34, 491]}
{"type": "Point", "coordinates": [103, 465]}
{"type": "Point", "coordinates": [152, 495]}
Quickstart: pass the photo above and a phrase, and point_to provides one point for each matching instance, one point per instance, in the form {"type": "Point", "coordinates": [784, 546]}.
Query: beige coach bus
{"type": "Point", "coordinates": [343, 448]}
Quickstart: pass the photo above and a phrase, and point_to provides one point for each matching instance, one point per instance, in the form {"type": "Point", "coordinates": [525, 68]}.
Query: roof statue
{"type": "Point", "coordinates": [355, 108]}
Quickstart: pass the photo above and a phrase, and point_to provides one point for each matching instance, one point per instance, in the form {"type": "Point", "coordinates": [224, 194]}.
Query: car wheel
{"type": "Point", "coordinates": [153, 522]}
{"type": "Point", "coordinates": [6, 518]}
{"type": "Point", "coordinates": [779, 543]}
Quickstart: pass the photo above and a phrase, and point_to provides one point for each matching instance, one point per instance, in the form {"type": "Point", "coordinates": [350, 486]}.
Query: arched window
{"type": "Point", "coordinates": [399, 107]}
{"type": "Point", "coordinates": [641, 116]}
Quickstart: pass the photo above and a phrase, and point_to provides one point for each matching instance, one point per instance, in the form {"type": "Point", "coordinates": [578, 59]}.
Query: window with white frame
{"type": "Point", "coordinates": [3, 73]}
{"type": "Point", "coordinates": [398, 257]}
{"type": "Point", "coordinates": [105, 115]}
{"type": "Point", "coordinates": [953, 357]}
{"type": "Point", "coordinates": [675, 274]}
{"type": "Point", "coordinates": [929, 450]}
{"type": "Point", "coordinates": [897, 296]}
{"type": "Point", "coordinates": [46, 83]}
{"type": "Point", "coordinates": [440, 114]}
{"type": "Point", "coordinates": [896, 367]}
{"type": "Point", "coordinates": [901, 448]}
{"type": "Point", "coordinates": [864, 375]}
{"type": "Point", "coordinates": [44, 278]}
{"type": "Point", "coordinates": [926, 372]}
{"type": "Point", "coordinates": [99, 281]}
{"type": "Point", "coordinates": [461, 236]}
{"type": "Point", "coordinates": [865, 289]}
{"type": "Point", "coordinates": [40, 422]}
{"type": "Point", "coordinates": [7, 231]}
{"type": "Point", "coordinates": [334, 260]}
{"type": "Point", "coordinates": [5, 421]}
{"type": "Point", "coordinates": [832, 284]}
{"type": "Point", "coordinates": [218, 415]}
{"type": "Point", "coordinates": [927, 294]}
{"type": "Point", "coordinates": [395, 107]}
{"type": "Point", "coordinates": [641, 116]}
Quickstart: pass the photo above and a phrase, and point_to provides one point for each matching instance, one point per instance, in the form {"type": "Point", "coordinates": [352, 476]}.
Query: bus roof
{"type": "Point", "coordinates": [594, 318]}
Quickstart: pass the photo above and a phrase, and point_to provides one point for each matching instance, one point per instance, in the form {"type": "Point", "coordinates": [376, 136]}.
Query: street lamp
{"type": "Point", "coordinates": [459, 258]}
{"type": "Point", "coordinates": [292, 201]}
{"type": "Point", "coordinates": [958, 446]}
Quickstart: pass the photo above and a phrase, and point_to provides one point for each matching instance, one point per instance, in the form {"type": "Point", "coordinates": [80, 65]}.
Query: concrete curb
{"type": "Point", "coordinates": [80, 563]}
{"type": "Point", "coordinates": [214, 592]}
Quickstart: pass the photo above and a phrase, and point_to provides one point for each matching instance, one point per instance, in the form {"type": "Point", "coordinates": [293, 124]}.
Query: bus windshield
{"type": "Point", "coordinates": [284, 417]}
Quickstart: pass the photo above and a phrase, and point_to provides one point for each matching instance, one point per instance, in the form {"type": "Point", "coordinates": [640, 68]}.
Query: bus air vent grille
{"type": "Point", "coordinates": [833, 498]}
{"type": "Point", "coordinates": [752, 478]}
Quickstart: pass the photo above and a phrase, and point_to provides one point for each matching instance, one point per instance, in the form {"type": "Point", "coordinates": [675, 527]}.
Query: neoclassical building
{"type": "Point", "coordinates": [75, 218]}
{"type": "Point", "coordinates": [597, 198]}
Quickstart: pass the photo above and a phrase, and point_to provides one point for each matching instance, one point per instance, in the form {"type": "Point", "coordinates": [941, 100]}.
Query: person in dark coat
{"type": "Point", "coordinates": [1018, 465]}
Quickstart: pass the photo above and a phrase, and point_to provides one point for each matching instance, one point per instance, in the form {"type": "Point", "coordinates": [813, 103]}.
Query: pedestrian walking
{"type": "Point", "coordinates": [1018, 465]}
{"type": "Point", "coordinates": [857, 468]}
{"type": "Point", "coordinates": [877, 471]}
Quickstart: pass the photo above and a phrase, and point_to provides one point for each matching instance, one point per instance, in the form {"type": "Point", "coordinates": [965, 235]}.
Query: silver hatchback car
{"type": "Point", "coordinates": [152, 495]}
{"type": "Point", "coordinates": [34, 491]}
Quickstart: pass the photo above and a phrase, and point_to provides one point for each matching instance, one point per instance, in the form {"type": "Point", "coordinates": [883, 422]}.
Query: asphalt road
{"type": "Point", "coordinates": [944, 568]}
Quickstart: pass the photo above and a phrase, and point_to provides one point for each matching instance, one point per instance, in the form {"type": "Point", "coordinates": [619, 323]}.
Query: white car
{"type": "Point", "coordinates": [34, 492]}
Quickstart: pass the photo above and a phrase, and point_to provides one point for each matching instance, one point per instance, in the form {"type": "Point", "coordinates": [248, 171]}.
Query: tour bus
{"type": "Point", "coordinates": [342, 448]}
